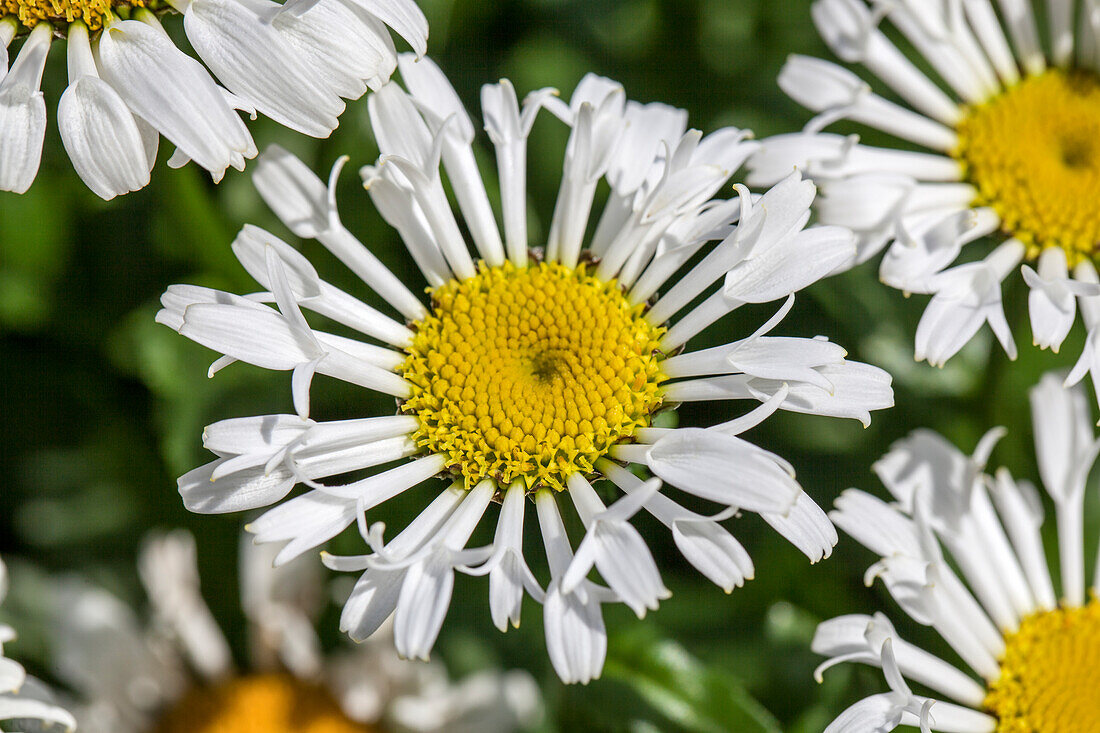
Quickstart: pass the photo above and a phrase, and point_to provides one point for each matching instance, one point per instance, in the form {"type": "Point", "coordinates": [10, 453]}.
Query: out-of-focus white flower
{"type": "Point", "coordinates": [16, 703]}
{"type": "Point", "coordinates": [174, 671]}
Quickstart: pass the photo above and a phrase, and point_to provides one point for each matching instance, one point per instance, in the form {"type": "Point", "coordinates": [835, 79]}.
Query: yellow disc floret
{"type": "Point", "coordinates": [1033, 153]}
{"type": "Point", "coordinates": [531, 373]}
{"type": "Point", "coordinates": [60, 13]}
{"type": "Point", "coordinates": [269, 703]}
{"type": "Point", "coordinates": [1050, 674]}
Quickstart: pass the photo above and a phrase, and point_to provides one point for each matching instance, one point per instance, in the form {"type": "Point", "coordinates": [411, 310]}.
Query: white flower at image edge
{"type": "Point", "coordinates": [962, 553]}
{"type": "Point", "coordinates": [129, 83]}
{"type": "Point", "coordinates": [1008, 134]}
{"type": "Point", "coordinates": [16, 704]}
{"type": "Point", "coordinates": [535, 370]}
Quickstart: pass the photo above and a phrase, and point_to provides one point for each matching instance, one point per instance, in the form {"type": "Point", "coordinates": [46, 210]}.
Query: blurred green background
{"type": "Point", "coordinates": [102, 408]}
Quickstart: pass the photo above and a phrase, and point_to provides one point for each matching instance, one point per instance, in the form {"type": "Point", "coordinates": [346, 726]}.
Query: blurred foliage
{"type": "Point", "coordinates": [103, 408]}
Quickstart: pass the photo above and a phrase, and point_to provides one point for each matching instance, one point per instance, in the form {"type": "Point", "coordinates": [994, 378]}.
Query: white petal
{"type": "Point", "coordinates": [404, 16]}
{"type": "Point", "coordinates": [876, 525]}
{"type": "Point", "coordinates": [874, 714]}
{"type": "Point", "coordinates": [1052, 303]}
{"type": "Point", "coordinates": [860, 638]}
{"type": "Point", "coordinates": [648, 125]}
{"type": "Point", "coordinates": [1063, 435]}
{"type": "Point", "coordinates": [576, 638]}
{"type": "Point", "coordinates": [173, 93]}
{"type": "Point", "coordinates": [258, 65]}
{"type": "Point", "coordinates": [294, 192]}
{"type": "Point", "coordinates": [807, 527]}
{"type": "Point", "coordinates": [928, 243]}
{"type": "Point", "coordinates": [786, 359]}
{"type": "Point", "coordinates": [16, 708]}
{"type": "Point", "coordinates": [251, 246]}
{"type": "Point", "coordinates": [12, 675]}
{"type": "Point", "coordinates": [351, 49]}
{"type": "Point", "coordinates": [253, 434]}
{"type": "Point", "coordinates": [260, 337]}
{"type": "Point", "coordinates": [822, 86]}
{"type": "Point", "coordinates": [304, 203]}
{"type": "Point", "coordinates": [508, 578]}
{"type": "Point", "coordinates": [967, 297]}
{"type": "Point", "coordinates": [724, 469]}
{"type": "Point", "coordinates": [248, 489]}
{"type": "Point", "coordinates": [102, 138]}
{"type": "Point", "coordinates": [1021, 511]}
{"type": "Point", "coordinates": [854, 390]}
{"type": "Point", "coordinates": [775, 272]}
{"type": "Point", "coordinates": [853, 34]}
{"type": "Point", "coordinates": [23, 113]}
{"type": "Point", "coordinates": [372, 601]}
{"type": "Point", "coordinates": [625, 562]}
{"type": "Point", "coordinates": [306, 521]}
{"type": "Point", "coordinates": [107, 147]}
{"type": "Point", "coordinates": [714, 552]}
{"type": "Point", "coordinates": [422, 606]}
{"type": "Point", "coordinates": [168, 566]}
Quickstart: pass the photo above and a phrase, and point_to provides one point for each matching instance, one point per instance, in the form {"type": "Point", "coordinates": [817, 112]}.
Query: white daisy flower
{"type": "Point", "coordinates": [129, 83]}
{"type": "Point", "coordinates": [1011, 136]}
{"type": "Point", "coordinates": [532, 372]}
{"type": "Point", "coordinates": [15, 703]}
{"type": "Point", "coordinates": [962, 552]}
{"type": "Point", "coordinates": [173, 672]}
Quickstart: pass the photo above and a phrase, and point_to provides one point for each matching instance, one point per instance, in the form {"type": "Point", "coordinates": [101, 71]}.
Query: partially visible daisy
{"type": "Point", "coordinates": [174, 672]}
{"type": "Point", "coordinates": [536, 369]}
{"type": "Point", "coordinates": [129, 83]}
{"type": "Point", "coordinates": [962, 552]}
{"type": "Point", "coordinates": [16, 705]}
{"type": "Point", "coordinates": [1013, 132]}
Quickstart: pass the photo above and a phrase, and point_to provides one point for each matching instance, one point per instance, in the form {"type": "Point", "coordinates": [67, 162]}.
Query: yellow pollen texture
{"type": "Point", "coordinates": [531, 373]}
{"type": "Point", "coordinates": [62, 12]}
{"type": "Point", "coordinates": [1033, 153]}
{"type": "Point", "coordinates": [269, 703]}
{"type": "Point", "coordinates": [1050, 674]}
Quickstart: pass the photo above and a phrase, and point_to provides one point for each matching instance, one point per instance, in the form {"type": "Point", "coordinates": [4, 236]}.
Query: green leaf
{"type": "Point", "coordinates": [682, 689]}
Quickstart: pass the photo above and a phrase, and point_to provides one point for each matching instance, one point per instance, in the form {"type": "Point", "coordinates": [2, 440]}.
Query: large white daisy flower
{"type": "Point", "coordinates": [532, 372]}
{"type": "Point", "coordinates": [14, 704]}
{"type": "Point", "coordinates": [1013, 132]}
{"type": "Point", "coordinates": [129, 83]}
{"type": "Point", "coordinates": [173, 672]}
{"type": "Point", "coordinates": [962, 552]}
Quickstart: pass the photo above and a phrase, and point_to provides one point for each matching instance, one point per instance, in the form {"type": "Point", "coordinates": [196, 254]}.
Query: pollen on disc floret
{"type": "Point", "coordinates": [1033, 153]}
{"type": "Point", "coordinates": [94, 13]}
{"type": "Point", "coordinates": [1049, 674]}
{"type": "Point", "coordinates": [531, 373]}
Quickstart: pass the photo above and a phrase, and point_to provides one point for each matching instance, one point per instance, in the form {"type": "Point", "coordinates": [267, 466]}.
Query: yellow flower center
{"type": "Point", "coordinates": [268, 703]}
{"type": "Point", "coordinates": [60, 13]}
{"type": "Point", "coordinates": [1033, 153]}
{"type": "Point", "coordinates": [1050, 674]}
{"type": "Point", "coordinates": [531, 373]}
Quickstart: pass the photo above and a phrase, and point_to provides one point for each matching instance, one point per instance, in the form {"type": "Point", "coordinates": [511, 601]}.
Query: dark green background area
{"type": "Point", "coordinates": [101, 408]}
